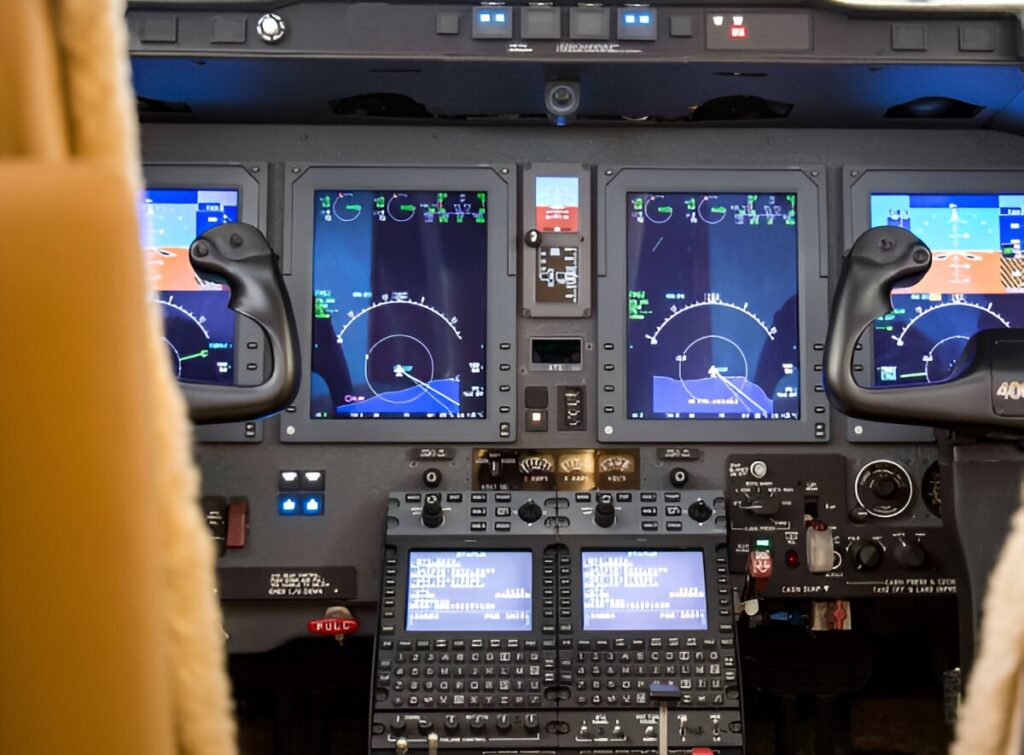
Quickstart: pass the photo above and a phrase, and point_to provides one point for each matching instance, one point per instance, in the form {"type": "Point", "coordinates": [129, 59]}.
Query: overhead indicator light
{"type": "Point", "coordinates": [287, 505]}
{"type": "Point", "coordinates": [718, 20]}
{"type": "Point", "coordinates": [485, 18]}
{"type": "Point", "coordinates": [630, 18]}
{"type": "Point", "coordinates": [312, 506]}
{"type": "Point", "coordinates": [737, 20]}
{"type": "Point", "coordinates": [645, 18]}
{"type": "Point", "coordinates": [738, 32]}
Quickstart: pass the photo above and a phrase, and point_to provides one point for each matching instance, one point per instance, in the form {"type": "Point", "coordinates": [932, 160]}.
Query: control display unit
{"type": "Point", "coordinates": [712, 349]}
{"type": "Point", "coordinates": [399, 305]}
{"type": "Point", "coordinates": [706, 338]}
{"type": "Point", "coordinates": [644, 590]}
{"type": "Point", "coordinates": [974, 284]}
{"type": "Point", "coordinates": [199, 329]}
{"type": "Point", "coordinates": [400, 279]}
{"type": "Point", "coordinates": [470, 591]}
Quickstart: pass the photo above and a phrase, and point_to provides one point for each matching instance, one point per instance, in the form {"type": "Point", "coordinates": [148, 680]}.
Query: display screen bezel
{"type": "Point", "coordinates": [583, 551]}
{"type": "Point", "coordinates": [500, 349]}
{"type": "Point", "coordinates": [614, 423]}
{"type": "Point", "coordinates": [860, 184]}
{"type": "Point", "coordinates": [531, 571]}
{"type": "Point", "coordinates": [249, 182]}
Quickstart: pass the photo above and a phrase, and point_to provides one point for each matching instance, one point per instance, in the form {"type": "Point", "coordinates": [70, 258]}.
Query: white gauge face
{"type": "Point", "coordinates": [536, 465]}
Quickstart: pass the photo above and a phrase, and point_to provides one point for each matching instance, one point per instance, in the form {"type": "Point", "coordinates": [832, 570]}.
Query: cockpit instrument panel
{"type": "Point", "coordinates": [973, 221]}
{"type": "Point", "coordinates": [711, 301]}
{"type": "Point", "coordinates": [400, 282]}
{"type": "Point", "coordinates": [206, 341]}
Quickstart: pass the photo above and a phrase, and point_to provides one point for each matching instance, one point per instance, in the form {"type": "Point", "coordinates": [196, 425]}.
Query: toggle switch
{"type": "Point", "coordinates": [820, 553]}
{"type": "Point", "coordinates": [238, 522]}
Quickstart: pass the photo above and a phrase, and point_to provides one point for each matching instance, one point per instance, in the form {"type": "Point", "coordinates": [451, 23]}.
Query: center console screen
{"type": "Point", "coordinates": [712, 328]}
{"type": "Point", "coordinates": [399, 317]}
{"type": "Point", "coordinates": [644, 590]}
{"type": "Point", "coordinates": [199, 329]}
{"type": "Point", "coordinates": [976, 281]}
{"type": "Point", "coordinates": [470, 591]}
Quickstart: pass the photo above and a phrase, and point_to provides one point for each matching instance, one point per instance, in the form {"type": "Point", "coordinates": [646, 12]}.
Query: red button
{"type": "Point", "coordinates": [702, 751]}
{"type": "Point", "coordinates": [332, 626]}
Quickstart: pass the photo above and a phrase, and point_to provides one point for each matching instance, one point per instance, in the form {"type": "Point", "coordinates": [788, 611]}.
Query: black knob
{"type": "Point", "coordinates": [530, 512]}
{"type": "Point", "coordinates": [451, 724]}
{"type": "Point", "coordinates": [867, 556]}
{"type": "Point", "coordinates": [910, 555]}
{"type": "Point", "coordinates": [532, 238]}
{"type": "Point", "coordinates": [604, 513]}
{"type": "Point", "coordinates": [531, 723]}
{"type": "Point", "coordinates": [699, 511]}
{"type": "Point", "coordinates": [477, 724]}
{"type": "Point", "coordinates": [424, 726]}
{"type": "Point", "coordinates": [397, 725]}
{"type": "Point", "coordinates": [678, 477]}
{"type": "Point", "coordinates": [433, 514]}
{"type": "Point", "coordinates": [884, 485]}
{"type": "Point", "coordinates": [503, 724]}
{"type": "Point", "coordinates": [432, 477]}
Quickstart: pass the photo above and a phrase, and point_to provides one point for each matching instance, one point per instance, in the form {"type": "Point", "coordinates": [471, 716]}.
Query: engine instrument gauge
{"type": "Point", "coordinates": [884, 489]}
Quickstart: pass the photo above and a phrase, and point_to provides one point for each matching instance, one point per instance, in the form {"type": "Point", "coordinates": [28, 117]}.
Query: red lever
{"type": "Point", "coordinates": [238, 522]}
{"type": "Point", "coordinates": [332, 626]}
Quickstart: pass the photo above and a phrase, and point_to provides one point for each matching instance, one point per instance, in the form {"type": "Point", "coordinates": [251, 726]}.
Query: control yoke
{"type": "Point", "coordinates": [238, 254]}
{"type": "Point", "coordinates": [986, 393]}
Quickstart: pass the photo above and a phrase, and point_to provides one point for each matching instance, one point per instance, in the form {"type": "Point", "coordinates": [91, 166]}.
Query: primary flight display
{"type": "Point", "coordinates": [199, 329]}
{"type": "Point", "coordinates": [399, 305]}
{"type": "Point", "coordinates": [712, 306]}
{"type": "Point", "coordinates": [975, 283]}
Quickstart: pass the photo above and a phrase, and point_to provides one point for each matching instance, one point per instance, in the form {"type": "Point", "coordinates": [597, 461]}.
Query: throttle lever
{"type": "Point", "coordinates": [973, 400]}
{"type": "Point", "coordinates": [240, 255]}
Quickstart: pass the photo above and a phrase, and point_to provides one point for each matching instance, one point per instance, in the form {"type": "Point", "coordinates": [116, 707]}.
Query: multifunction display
{"type": "Point", "coordinates": [712, 306]}
{"type": "Point", "coordinates": [645, 590]}
{"type": "Point", "coordinates": [975, 283]}
{"type": "Point", "coordinates": [199, 329]}
{"type": "Point", "coordinates": [399, 305]}
{"type": "Point", "coordinates": [470, 591]}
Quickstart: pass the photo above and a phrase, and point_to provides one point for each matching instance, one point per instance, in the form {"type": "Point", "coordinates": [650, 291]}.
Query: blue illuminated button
{"type": "Point", "coordinates": [638, 24]}
{"type": "Point", "coordinates": [312, 505]}
{"type": "Point", "coordinates": [287, 505]}
{"type": "Point", "coordinates": [492, 22]}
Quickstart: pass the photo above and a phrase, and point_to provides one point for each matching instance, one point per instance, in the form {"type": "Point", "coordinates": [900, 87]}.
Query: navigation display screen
{"type": "Point", "coordinates": [470, 591]}
{"type": "Point", "coordinates": [712, 313]}
{"type": "Point", "coordinates": [644, 590]}
{"type": "Point", "coordinates": [199, 329]}
{"type": "Point", "coordinates": [399, 305]}
{"type": "Point", "coordinates": [975, 281]}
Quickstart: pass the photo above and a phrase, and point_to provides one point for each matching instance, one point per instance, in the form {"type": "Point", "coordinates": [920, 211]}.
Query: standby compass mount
{"type": "Point", "coordinates": [985, 389]}
{"type": "Point", "coordinates": [239, 255]}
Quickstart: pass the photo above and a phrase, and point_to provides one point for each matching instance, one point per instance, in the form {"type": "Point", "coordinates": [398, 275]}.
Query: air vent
{"type": "Point", "coordinates": [379, 105]}
{"type": "Point", "coordinates": [740, 108]}
{"type": "Point", "coordinates": [934, 107]}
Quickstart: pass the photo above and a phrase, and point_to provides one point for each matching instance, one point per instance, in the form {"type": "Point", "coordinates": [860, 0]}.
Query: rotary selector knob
{"type": "Point", "coordinates": [604, 513]}
{"type": "Point", "coordinates": [531, 723]}
{"type": "Point", "coordinates": [477, 724]}
{"type": "Point", "coordinates": [432, 477]}
{"type": "Point", "coordinates": [699, 511]}
{"type": "Point", "coordinates": [451, 724]}
{"type": "Point", "coordinates": [503, 724]}
{"type": "Point", "coordinates": [530, 512]}
{"type": "Point", "coordinates": [678, 477]}
{"type": "Point", "coordinates": [424, 726]}
{"type": "Point", "coordinates": [884, 489]}
{"type": "Point", "coordinates": [433, 514]}
{"type": "Point", "coordinates": [398, 725]}
{"type": "Point", "coordinates": [910, 555]}
{"type": "Point", "coordinates": [867, 556]}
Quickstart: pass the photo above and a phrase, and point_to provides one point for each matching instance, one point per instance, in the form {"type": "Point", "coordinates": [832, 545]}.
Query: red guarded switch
{"type": "Point", "coordinates": [238, 522]}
